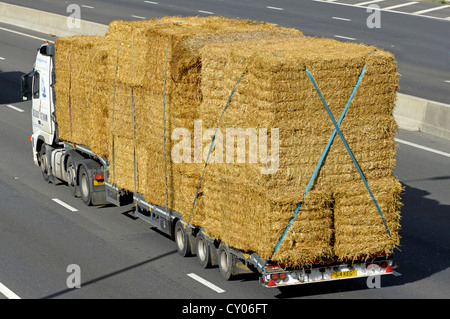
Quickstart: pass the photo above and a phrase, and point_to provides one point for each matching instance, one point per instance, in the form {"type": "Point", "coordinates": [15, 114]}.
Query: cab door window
{"type": "Point", "coordinates": [36, 83]}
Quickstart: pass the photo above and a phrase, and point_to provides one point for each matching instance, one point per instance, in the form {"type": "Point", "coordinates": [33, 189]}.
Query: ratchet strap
{"type": "Point", "coordinates": [112, 117]}
{"type": "Point", "coordinates": [164, 133]}
{"type": "Point", "coordinates": [212, 145]}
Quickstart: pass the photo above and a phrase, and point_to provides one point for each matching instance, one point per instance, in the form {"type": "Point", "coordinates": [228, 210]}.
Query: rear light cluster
{"type": "Point", "coordinates": [277, 278]}
{"type": "Point", "coordinates": [99, 177]}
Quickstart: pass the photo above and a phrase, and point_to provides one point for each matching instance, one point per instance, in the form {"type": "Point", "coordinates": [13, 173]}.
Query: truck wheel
{"type": "Point", "coordinates": [225, 261]}
{"type": "Point", "coordinates": [85, 190]}
{"type": "Point", "coordinates": [73, 183]}
{"type": "Point", "coordinates": [44, 163]}
{"type": "Point", "coordinates": [203, 250]}
{"type": "Point", "coordinates": [182, 240]}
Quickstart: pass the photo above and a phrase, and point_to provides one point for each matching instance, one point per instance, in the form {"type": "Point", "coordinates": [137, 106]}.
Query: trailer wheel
{"type": "Point", "coordinates": [225, 261]}
{"type": "Point", "coordinates": [182, 240]}
{"type": "Point", "coordinates": [44, 163]}
{"type": "Point", "coordinates": [73, 183]}
{"type": "Point", "coordinates": [203, 250]}
{"type": "Point", "coordinates": [85, 190]}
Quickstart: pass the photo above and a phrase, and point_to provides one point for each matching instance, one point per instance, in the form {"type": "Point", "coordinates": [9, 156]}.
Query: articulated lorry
{"type": "Point", "coordinates": [88, 176]}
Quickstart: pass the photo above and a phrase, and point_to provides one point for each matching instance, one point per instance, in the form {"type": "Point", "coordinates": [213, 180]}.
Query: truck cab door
{"type": "Point", "coordinates": [41, 104]}
{"type": "Point", "coordinates": [36, 102]}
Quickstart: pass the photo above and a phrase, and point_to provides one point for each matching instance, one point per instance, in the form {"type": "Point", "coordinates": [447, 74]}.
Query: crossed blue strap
{"type": "Point", "coordinates": [325, 152]}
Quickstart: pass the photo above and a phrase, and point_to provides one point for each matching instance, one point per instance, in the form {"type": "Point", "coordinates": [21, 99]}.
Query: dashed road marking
{"type": "Point", "coordinates": [15, 108]}
{"type": "Point", "coordinates": [60, 202]}
{"type": "Point", "coordinates": [342, 19]}
{"type": "Point", "coordinates": [344, 37]}
{"type": "Point", "coordinates": [274, 8]}
{"type": "Point", "coordinates": [206, 283]}
{"type": "Point", "coordinates": [8, 292]}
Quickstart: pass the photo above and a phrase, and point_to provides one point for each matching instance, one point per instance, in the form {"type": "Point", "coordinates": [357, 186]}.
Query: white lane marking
{"type": "Point", "coordinates": [274, 8]}
{"type": "Point", "coordinates": [138, 17]}
{"type": "Point", "coordinates": [25, 35]}
{"type": "Point", "coordinates": [429, 10]}
{"type": "Point", "coordinates": [60, 202]}
{"type": "Point", "coordinates": [206, 12]}
{"type": "Point", "coordinates": [7, 292]}
{"type": "Point", "coordinates": [448, 81]}
{"type": "Point", "coordinates": [367, 2]}
{"type": "Point", "coordinates": [400, 5]}
{"type": "Point", "coordinates": [14, 108]}
{"type": "Point", "coordinates": [88, 7]}
{"type": "Point", "coordinates": [343, 19]}
{"type": "Point", "coordinates": [206, 283]}
{"type": "Point", "coordinates": [422, 147]}
{"type": "Point", "coordinates": [151, 2]}
{"type": "Point", "coordinates": [383, 9]}
{"type": "Point", "coordinates": [346, 38]}
{"type": "Point", "coordinates": [1, 58]}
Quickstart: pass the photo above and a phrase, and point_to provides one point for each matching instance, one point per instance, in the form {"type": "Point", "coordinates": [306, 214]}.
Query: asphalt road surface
{"type": "Point", "coordinates": [44, 231]}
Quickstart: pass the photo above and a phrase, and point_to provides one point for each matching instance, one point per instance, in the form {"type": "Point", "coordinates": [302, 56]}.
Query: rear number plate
{"type": "Point", "coordinates": [343, 274]}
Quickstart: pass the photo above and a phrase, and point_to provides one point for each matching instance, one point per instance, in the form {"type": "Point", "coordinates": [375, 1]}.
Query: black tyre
{"type": "Point", "coordinates": [203, 250]}
{"type": "Point", "coordinates": [73, 181]}
{"type": "Point", "coordinates": [43, 163]}
{"type": "Point", "coordinates": [85, 190]}
{"type": "Point", "coordinates": [182, 240]}
{"type": "Point", "coordinates": [225, 261]}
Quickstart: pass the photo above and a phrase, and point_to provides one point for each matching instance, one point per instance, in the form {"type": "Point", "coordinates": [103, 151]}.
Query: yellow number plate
{"type": "Point", "coordinates": [98, 183]}
{"type": "Point", "coordinates": [343, 274]}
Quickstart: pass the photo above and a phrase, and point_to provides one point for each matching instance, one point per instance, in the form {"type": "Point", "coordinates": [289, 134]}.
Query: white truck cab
{"type": "Point", "coordinates": [58, 160]}
{"type": "Point", "coordinates": [37, 86]}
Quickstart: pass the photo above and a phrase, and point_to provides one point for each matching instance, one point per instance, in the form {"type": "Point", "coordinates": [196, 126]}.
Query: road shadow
{"type": "Point", "coordinates": [10, 83]}
{"type": "Point", "coordinates": [112, 274]}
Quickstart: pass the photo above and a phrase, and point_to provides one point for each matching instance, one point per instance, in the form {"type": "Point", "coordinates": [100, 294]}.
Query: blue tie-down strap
{"type": "Point", "coordinates": [324, 154]}
{"type": "Point", "coordinates": [212, 145]}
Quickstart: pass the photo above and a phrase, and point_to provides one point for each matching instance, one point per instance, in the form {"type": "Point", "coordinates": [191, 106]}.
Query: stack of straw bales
{"type": "Point", "coordinates": [338, 217]}
{"type": "Point", "coordinates": [188, 67]}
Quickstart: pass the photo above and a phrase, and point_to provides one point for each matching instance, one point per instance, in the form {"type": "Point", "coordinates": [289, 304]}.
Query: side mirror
{"type": "Point", "coordinates": [47, 49]}
{"type": "Point", "coordinates": [26, 85]}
